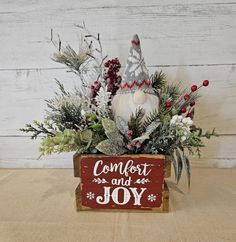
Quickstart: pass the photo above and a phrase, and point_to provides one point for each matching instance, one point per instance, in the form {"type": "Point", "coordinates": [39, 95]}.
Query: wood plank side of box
{"type": "Point", "coordinates": [133, 183]}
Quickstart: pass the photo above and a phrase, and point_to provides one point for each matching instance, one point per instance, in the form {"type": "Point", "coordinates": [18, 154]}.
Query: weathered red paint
{"type": "Point", "coordinates": [111, 182]}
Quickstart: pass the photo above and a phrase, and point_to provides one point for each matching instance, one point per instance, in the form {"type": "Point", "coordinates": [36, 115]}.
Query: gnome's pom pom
{"type": "Point", "coordinates": [139, 97]}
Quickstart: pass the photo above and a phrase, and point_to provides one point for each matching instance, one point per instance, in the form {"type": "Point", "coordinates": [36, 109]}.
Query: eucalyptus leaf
{"type": "Point", "coordinates": [188, 170]}
{"type": "Point", "coordinates": [180, 164]}
{"type": "Point", "coordinates": [174, 162]}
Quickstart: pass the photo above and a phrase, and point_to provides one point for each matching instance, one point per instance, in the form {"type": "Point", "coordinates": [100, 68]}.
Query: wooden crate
{"type": "Point", "coordinates": [123, 183]}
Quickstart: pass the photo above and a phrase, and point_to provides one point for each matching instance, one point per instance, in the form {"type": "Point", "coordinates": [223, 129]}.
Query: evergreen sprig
{"type": "Point", "coordinates": [66, 116]}
{"type": "Point", "coordinates": [151, 117]}
{"type": "Point", "coordinates": [158, 80]}
{"type": "Point", "coordinates": [171, 92]}
{"type": "Point", "coordinates": [37, 128]}
{"type": "Point", "coordinates": [72, 59]}
{"type": "Point", "coordinates": [135, 122]}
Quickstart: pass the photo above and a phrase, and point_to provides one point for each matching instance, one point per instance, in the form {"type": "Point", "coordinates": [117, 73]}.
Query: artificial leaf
{"type": "Point", "coordinates": [135, 122]}
{"type": "Point", "coordinates": [151, 117]}
{"type": "Point", "coordinates": [180, 165]}
{"type": "Point", "coordinates": [91, 117]}
{"type": "Point", "coordinates": [173, 161]}
{"type": "Point", "coordinates": [122, 125]}
{"type": "Point", "coordinates": [141, 138]}
{"type": "Point", "coordinates": [115, 138]}
{"type": "Point", "coordinates": [150, 128]}
{"type": "Point", "coordinates": [109, 125]}
{"type": "Point", "coordinates": [187, 167]}
{"type": "Point", "coordinates": [86, 135]}
{"type": "Point", "coordinates": [96, 127]}
{"type": "Point", "coordinates": [112, 132]}
{"type": "Point", "coordinates": [108, 148]}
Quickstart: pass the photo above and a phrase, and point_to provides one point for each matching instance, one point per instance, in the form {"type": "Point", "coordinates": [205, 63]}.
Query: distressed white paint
{"type": "Point", "coordinates": [191, 40]}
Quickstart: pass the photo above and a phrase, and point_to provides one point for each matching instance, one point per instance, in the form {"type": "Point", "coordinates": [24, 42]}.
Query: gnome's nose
{"type": "Point", "coordinates": [139, 97]}
{"type": "Point", "coordinates": [135, 40]}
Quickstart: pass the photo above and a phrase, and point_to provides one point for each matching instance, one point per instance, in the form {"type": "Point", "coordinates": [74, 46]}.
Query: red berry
{"type": "Point", "coordinates": [168, 104]}
{"type": "Point", "coordinates": [190, 115]}
{"type": "Point", "coordinates": [129, 146]}
{"type": "Point", "coordinates": [194, 88]}
{"type": "Point", "coordinates": [192, 103]}
{"type": "Point", "coordinates": [205, 83]}
{"type": "Point", "coordinates": [138, 145]}
{"type": "Point", "coordinates": [186, 97]}
{"type": "Point", "coordinates": [130, 133]}
{"type": "Point", "coordinates": [183, 110]}
{"type": "Point", "coordinates": [135, 42]}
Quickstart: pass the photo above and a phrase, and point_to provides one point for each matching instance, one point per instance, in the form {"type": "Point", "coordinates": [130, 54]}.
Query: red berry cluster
{"type": "Point", "coordinates": [94, 89]}
{"type": "Point", "coordinates": [186, 97]}
{"type": "Point", "coordinates": [113, 80]}
{"type": "Point", "coordinates": [194, 88]}
{"type": "Point", "coordinates": [112, 67]}
{"type": "Point", "coordinates": [131, 144]}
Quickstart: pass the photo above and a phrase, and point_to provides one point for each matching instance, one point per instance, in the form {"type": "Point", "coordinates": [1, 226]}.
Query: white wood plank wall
{"type": "Point", "coordinates": [190, 40]}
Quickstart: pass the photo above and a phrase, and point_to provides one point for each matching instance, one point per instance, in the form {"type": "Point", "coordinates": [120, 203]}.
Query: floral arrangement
{"type": "Point", "coordinates": [115, 115]}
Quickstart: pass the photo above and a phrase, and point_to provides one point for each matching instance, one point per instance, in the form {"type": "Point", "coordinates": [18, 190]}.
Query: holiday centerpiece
{"type": "Point", "coordinates": [124, 131]}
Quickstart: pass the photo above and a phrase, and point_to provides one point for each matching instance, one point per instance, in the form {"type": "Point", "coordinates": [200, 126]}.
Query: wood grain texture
{"type": "Point", "coordinates": [204, 29]}
{"type": "Point", "coordinates": [23, 153]}
{"type": "Point", "coordinates": [189, 40]}
{"type": "Point", "coordinates": [22, 95]}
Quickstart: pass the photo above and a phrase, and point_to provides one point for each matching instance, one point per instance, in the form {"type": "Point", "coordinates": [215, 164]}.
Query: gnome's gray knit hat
{"type": "Point", "coordinates": [135, 76]}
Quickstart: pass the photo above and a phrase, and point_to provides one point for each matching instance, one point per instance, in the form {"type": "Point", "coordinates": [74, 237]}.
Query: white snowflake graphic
{"type": "Point", "coordinates": [90, 195]}
{"type": "Point", "coordinates": [152, 197]}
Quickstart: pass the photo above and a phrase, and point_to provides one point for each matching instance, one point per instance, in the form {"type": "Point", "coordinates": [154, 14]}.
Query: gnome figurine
{"type": "Point", "coordinates": [135, 89]}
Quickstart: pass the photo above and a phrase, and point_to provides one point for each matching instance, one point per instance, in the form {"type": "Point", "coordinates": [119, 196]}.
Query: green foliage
{"type": "Point", "coordinates": [77, 122]}
{"type": "Point", "coordinates": [178, 159]}
{"type": "Point", "coordinates": [135, 122]}
{"type": "Point", "coordinates": [147, 132]}
{"type": "Point", "coordinates": [66, 116]}
{"type": "Point", "coordinates": [109, 148]}
{"type": "Point", "coordinates": [64, 110]}
{"type": "Point", "coordinates": [158, 80]}
{"type": "Point", "coordinates": [170, 92]}
{"type": "Point", "coordinates": [194, 143]}
{"type": "Point", "coordinates": [37, 128]}
{"type": "Point", "coordinates": [122, 126]}
{"type": "Point", "coordinates": [69, 57]}
{"type": "Point", "coordinates": [114, 145]}
{"type": "Point", "coordinates": [66, 141]}
{"type": "Point", "coordinates": [163, 140]}
{"type": "Point", "coordinates": [94, 123]}
{"type": "Point", "coordinates": [153, 116]}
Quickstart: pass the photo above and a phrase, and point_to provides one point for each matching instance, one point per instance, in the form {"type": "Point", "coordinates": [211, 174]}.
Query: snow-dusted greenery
{"type": "Point", "coordinates": [76, 121]}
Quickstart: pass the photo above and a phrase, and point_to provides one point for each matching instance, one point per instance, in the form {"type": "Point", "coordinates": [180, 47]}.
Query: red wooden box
{"type": "Point", "coordinates": [127, 182]}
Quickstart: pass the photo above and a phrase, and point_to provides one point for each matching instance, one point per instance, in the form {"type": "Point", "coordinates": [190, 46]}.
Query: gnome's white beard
{"type": "Point", "coordinates": [123, 105]}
